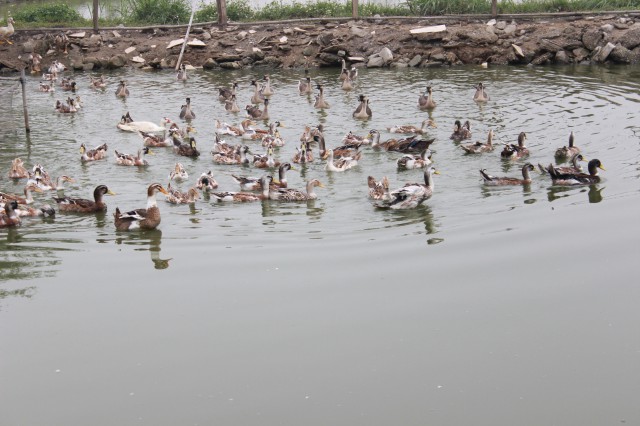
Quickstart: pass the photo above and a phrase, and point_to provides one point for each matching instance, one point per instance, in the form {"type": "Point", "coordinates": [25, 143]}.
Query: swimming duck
{"type": "Point", "coordinates": [181, 75]}
{"type": "Point", "coordinates": [479, 147]}
{"type": "Point", "coordinates": [577, 178]}
{"type": "Point", "coordinates": [28, 195]}
{"type": "Point", "coordinates": [34, 60]}
{"type": "Point", "coordinates": [568, 151]}
{"type": "Point", "coordinates": [186, 149]}
{"type": "Point", "coordinates": [26, 211]}
{"type": "Point", "coordinates": [56, 67]}
{"type": "Point", "coordinates": [18, 171]}
{"type": "Point", "coordinates": [65, 108]}
{"type": "Point", "coordinates": [250, 183]}
{"type": "Point", "coordinates": [264, 115]}
{"type": "Point", "coordinates": [341, 164]}
{"type": "Point", "coordinates": [47, 88]}
{"type": "Point", "coordinates": [267, 90]}
{"type": "Point", "coordinates": [304, 85]}
{"type": "Point", "coordinates": [97, 83]}
{"type": "Point", "coordinates": [409, 161]}
{"type": "Point", "coordinates": [146, 218]}
{"type": "Point", "coordinates": [258, 95]}
{"type": "Point", "coordinates": [185, 111]}
{"type": "Point", "coordinates": [122, 91]}
{"type": "Point", "coordinates": [353, 73]}
{"type": "Point", "coordinates": [131, 160]}
{"type": "Point", "coordinates": [347, 83]}
{"type": "Point", "coordinates": [574, 168]}
{"type": "Point", "coordinates": [47, 184]}
{"type": "Point", "coordinates": [68, 84]}
{"type": "Point", "coordinates": [245, 196]}
{"type": "Point", "coordinates": [206, 182]}
{"type": "Point", "coordinates": [290, 194]}
{"type": "Point", "coordinates": [82, 205]}
{"type": "Point", "coordinates": [265, 161]}
{"type": "Point", "coordinates": [98, 153]}
{"type": "Point", "coordinates": [344, 71]}
{"type": "Point", "coordinates": [407, 145]}
{"type": "Point", "coordinates": [410, 195]}
{"type": "Point", "coordinates": [127, 124]}
{"type": "Point", "coordinates": [425, 101]}
{"type": "Point", "coordinates": [227, 129]}
{"type": "Point", "coordinates": [231, 104]}
{"type": "Point", "coordinates": [511, 151]}
{"type": "Point", "coordinates": [353, 140]}
{"type": "Point", "coordinates": [151, 140]}
{"type": "Point", "coordinates": [320, 102]}
{"type": "Point", "coordinates": [303, 154]}
{"type": "Point", "coordinates": [461, 131]}
{"type": "Point", "coordinates": [222, 146]}
{"type": "Point", "coordinates": [253, 111]}
{"type": "Point", "coordinates": [9, 217]}
{"type": "Point", "coordinates": [378, 190]}
{"type": "Point", "coordinates": [481, 94]}
{"type": "Point", "coordinates": [274, 140]}
{"type": "Point", "coordinates": [176, 196]}
{"type": "Point", "coordinates": [349, 149]}
{"type": "Point", "coordinates": [238, 156]}
{"type": "Point", "coordinates": [178, 173]}
{"type": "Point", "coordinates": [492, 180]}
{"type": "Point", "coordinates": [362, 111]}
{"type": "Point", "coordinates": [408, 129]}
{"type": "Point", "coordinates": [225, 94]}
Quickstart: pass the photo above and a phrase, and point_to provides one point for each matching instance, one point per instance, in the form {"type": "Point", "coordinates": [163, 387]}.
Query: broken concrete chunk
{"type": "Point", "coordinates": [174, 43]}
{"type": "Point", "coordinates": [129, 49]}
{"type": "Point", "coordinates": [431, 29]}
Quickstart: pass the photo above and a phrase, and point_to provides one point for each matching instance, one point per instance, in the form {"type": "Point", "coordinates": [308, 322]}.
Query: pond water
{"type": "Point", "coordinates": [486, 306]}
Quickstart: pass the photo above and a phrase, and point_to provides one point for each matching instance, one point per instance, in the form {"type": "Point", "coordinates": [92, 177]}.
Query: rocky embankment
{"type": "Point", "coordinates": [378, 42]}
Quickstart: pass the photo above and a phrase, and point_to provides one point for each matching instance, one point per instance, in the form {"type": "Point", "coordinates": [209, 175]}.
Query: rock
{"type": "Point", "coordinates": [561, 58]}
{"type": "Point", "coordinates": [580, 54]}
{"type": "Point", "coordinates": [206, 36]}
{"type": "Point", "coordinates": [375, 61]}
{"type": "Point", "coordinates": [415, 61]}
{"type": "Point", "coordinates": [325, 38]}
{"type": "Point", "coordinates": [329, 58]}
{"type": "Point", "coordinates": [116, 34]}
{"type": "Point", "coordinates": [475, 35]}
{"type": "Point", "coordinates": [623, 55]}
{"type": "Point", "coordinates": [501, 25]}
{"type": "Point", "coordinates": [603, 53]}
{"type": "Point", "coordinates": [138, 59]}
{"type": "Point", "coordinates": [437, 57]}
{"type": "Point", "coordinates": [308, 51]}
{"type": "Point", "coordinates": [630, 39]}
{"type": "Point", "coordinates": [607, 28]}
{"type": "Point", "coordinates": [510, 29]}
{"type": "Point", "coordinates": [431, 29]}
{"type": "Point", "coordinates": [359, 32]}
{"type": "Point", "coordinates": [592, 38]}
{"type": "Point", "coordinates": [210, 64]}
{"type": "Point", "coordinates": [143, 49]}
{"type": "Point", "coordinates": [28, 46]}
{"type": "Point", "coordinates": [117, 61]}
{"type": "Point", "coordinates": [88, 67]}
{"type": "Point", "coordinates": [399, 65]}
{"type": "Point", "coordinates": [231, 65]}
{"type": "Point", "coordinates": [196, 43]}
{"type": "Point", "coordinates": [174, 43]}
{"type": "Point", "coordinates": [386, 55]}
{"type": "Point", "coordinates": [491, 22]}
{"type": "Point", "coordinates": [518, 50]}
{"type": "Point", "coordinates": [543, 59]}
{"type": "Point", "coordinates": [80, 34]}
{"type": "Point", "coordinates": [129, 49]}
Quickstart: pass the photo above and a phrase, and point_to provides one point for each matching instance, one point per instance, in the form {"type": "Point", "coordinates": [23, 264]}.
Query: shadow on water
{"type": "Point", "coordinates": [145, 241]}
{"type": "Point", "coordinates": [594, 192]}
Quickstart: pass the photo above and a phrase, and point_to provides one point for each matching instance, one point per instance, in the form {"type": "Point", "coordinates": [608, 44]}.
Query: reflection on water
{"type": "Point", "coordinates": [145, 241]}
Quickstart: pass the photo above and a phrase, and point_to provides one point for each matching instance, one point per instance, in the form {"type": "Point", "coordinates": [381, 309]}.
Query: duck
{"type": "Point", "coordinates": [511, 151]}
{"type": "Point", "coordinates": [492, 180]}
{"type": "Point", "coordinates": [178, 173]}
{"type": "Point", "coordinates": [66, 108]}
{"type": "Point", "coordinates": [98, 153]}
{"type": "Point", "coordinates": [225, 93]}
{"type": "Point", "coordinates": [573, 168]}
{"type": "Point", "coordinates": [188, 149]}
{"type": "Point", "coordinates": [220, 145]}
{"type": "Point", "coordinates": [347, 83]}
{"type": "Point", "coordinates": [144, 218]}
{"type": "Point", "coordinates": [227, 129]}
{"type": "Point", "coordinates": [349, 149]}
{"type": "Point", "coordinates": [320, 102]}
{"type": "Point", "coordinates": [176, 196]}
{"type": "Point", "coordinates": [274, 140]}
{"type": "Point", "coordinates": [481, 94]}
{"type": "Point", "coordinates": [406, 145]}
{"type": "Point", "coordinates": [250, 183]}
{"type": "Point", "coordinates": [265, 161]}
{"type": "Point", "coordinates": [46, 88]}
{"type": "Point", "coordinates": [290, 194]}
{"type": "Point", "coordinates": [181, 75]}
{"type": "Point", "coordinates": [362, 111]}
{"type": "Point", "coordinates": [28, 194]}
{"type": "Point", "coordinates": [97, 82]}
{"type": "Point", "coordinates": [7, 31]}
{"type": "Point", "coordinates": [151, 140]}
{"type": "Point", "coordinates": [378, 190]}
{"type": "Point", "coordinates": [408, 161]}
{"type": "Point", "coordinates": [45, 182]}
{"type": "Point", "coordinates": [253, 111]}
{"type": "Point", "coordinates": [303, 154]}
{"type": "Point", "coordinates": [9, 217]}
{"type": "Point", "coordinates": [425, 100]}
{"type": "Point", "coordinates": [409, 129]}
{"type": "Point", "coordinates": [344, 71]}
{"type": "Point", "coordinates": [304, 85]}
{"type": "Point", "coordinates": [353, 73]}
{"type": "Point", "coordinates": [411, 195]}
{"type": "Point", "coordinates": [341, 164]}
{"type": "Point", "coordinates": [266, 89]}
{"type": "Point", "coordinates": [26, 211]}
{"type": "Point", "coordinates": [461, 131]}
{"type": "Point", "coordinates": [131, 160]}
{"type": "Point", "coordinates": [34, 60]}
{"type": "Point", "coordinates": [577, 178]}
{"type": "Point", "coordinates": [56, 67]}
{"type": "Point", "coordinates": [231, 104]}
{"type": "Point", "coordinates": [567, 151]}
{"type": "Point", "coordinates": [185, 111]}
{"type": "Point", "coordinates": [243, 196]}
{"type": "Point", "coordinates": [479, 147]}
{"type": "Point", "coordinates": [264, 114]}
{"type": "Point", "coordinates": [18, 170]}
{"type": "Point", "coordinates": [68, 84]}
{"type": "Point", "coordinates": [128, 124]}
{"type": "Point", "coordinates": [258, 95]}
{"type": "Point", "coordinates": [83, 205]}
{"type": "Point", "coordinates": [206, 182]}
{"type": "Point", "coordinates": [122, 91]}
{"type": "Point", "coordinates": [238, 156]}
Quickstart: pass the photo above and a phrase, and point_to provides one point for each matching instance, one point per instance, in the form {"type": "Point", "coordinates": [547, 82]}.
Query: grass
{"type": "Point", "coordinates": [150, 12]}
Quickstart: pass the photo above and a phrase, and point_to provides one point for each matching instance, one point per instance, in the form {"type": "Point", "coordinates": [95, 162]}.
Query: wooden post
{"type": "Point", "coordinates": [222, 12]}
{"type": "Point", "coordinates": [23, 80]}
{"type": "Point", "coordinates": [96, 6]}
{"type": "Point", "coordinates": [494, 8]}
{"type": "Point", "coordinates": [354, 9]}
{"type": "Point", "coordinates": [186, 39]}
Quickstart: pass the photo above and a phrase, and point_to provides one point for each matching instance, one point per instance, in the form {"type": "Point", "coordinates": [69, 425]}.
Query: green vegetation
{"type": "Point", "coordinates": [149, 12]}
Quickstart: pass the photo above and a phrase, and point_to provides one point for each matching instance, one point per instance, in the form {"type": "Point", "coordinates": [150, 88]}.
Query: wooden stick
{"type": "Point", "coordinates": [186, 38]}
{"type": "Point", "coordinates": [23, 80]}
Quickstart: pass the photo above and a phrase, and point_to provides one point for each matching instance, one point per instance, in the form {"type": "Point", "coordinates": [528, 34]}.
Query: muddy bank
{"type": "Point", "coordinates": [381, 42]}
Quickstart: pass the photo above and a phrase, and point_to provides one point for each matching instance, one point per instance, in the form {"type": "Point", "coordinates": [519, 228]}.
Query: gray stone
{"type": "Point", "coordinates": [510, 29]}
{"type": "Point", "coordinates": [308, 51]}
{"type": "Point", "coordinates": [631, 38]}
{"type": "Point", "coordinates": [88, 66]}
{"type": "Point", "coordinates": [561, 57]}
{"type": "Point", "coordinates": [117, 61]}
{"type": "Point", "coordinates": [399, 65]}
{"type": "Point", "coordinates": [501, 25]}
{"type": "Point", "coordinates": [325, 38]}
{"type": "Point", "coordinates": [439, 57]}
{"type": "Point", "coordinates": [359, 32]}
{"type": "Point", "coordinates": [375, 61]}
{"type": "Point", "coordinates": [415, 61]}
{"type": "Point", "coordinates": [210, 64]}
{"type": "Point", "coordinates": [543, 59]}
{"type": "Point", "coordinates": [476, 35]}
{"type": "Point", "coordinates": [386, 55]}
{"type": "Point", "coordinates": [621, 54]}
{"type": "Point", "coordinates": [603, 52]}
{"type": "Point", "coordinates": [592, 38]}
{"type": "Point", "coordinates": [231, 65]}
{"type": "Point", "coordinates": [206, 36]}
{"type": "Point", "coordinates": [607, 28]}
{"type": "Point", "coordinates": [580, 54]}
{"type": "Point", "coordinates": [329, 58]}
{"type": "Point", "coordinates": [28, 46]}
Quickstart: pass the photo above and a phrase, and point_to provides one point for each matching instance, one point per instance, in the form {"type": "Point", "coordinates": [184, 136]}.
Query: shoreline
{"type": "Point", "coordinates": [373, 42]}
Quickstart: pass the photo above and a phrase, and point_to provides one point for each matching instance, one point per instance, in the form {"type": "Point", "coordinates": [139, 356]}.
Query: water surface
{"type": "Point", "coordinates": [491, 306]}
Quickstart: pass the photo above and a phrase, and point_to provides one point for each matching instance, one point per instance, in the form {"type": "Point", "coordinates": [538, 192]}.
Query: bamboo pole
{"type": "Point", "coordinates": [222, 12]}
{"type": "Point", "coordinates": [186, 38]}
{"type": "Point", "coordinates": [95, 15]}
{"type": "Point", "coordinates": [494, 8]}
{"type": "Point", "coordinates": [354, 9]}
{"type": "Point", "coordinates": [23, 80]}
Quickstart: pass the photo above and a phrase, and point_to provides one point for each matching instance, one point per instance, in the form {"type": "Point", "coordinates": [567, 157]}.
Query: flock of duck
{"type": "Point", "coordinates": [414, 144]}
